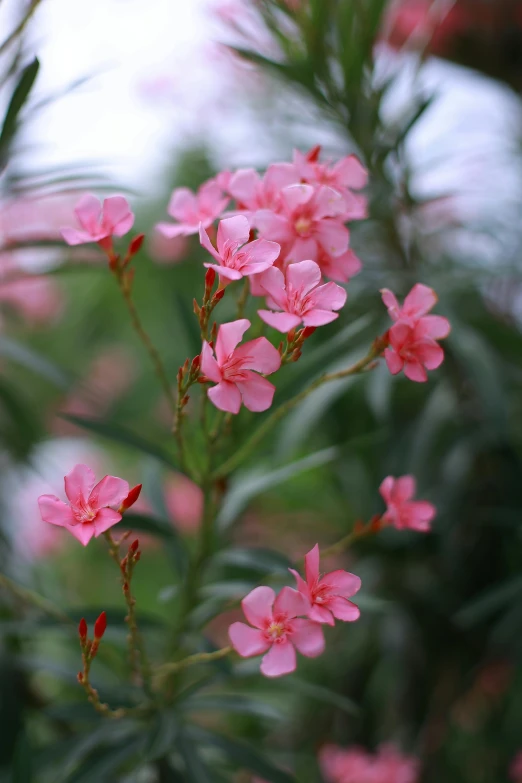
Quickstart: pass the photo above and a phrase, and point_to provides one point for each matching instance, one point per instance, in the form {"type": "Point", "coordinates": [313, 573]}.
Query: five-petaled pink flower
{"type": "Point", "coordinates": [328, 594]}
{"type": "Point", "coordinates": [89, 512]}
{"type": "Point", "coordinates": [278, 629]}
{"type": "Point", "coordinates": [99, 222]}
{"type": "Point", "coordinates": [309, 219]}
{"type": "Point", "coordinates": [413, 337]}
{"type": "Point", "coordinates": [190, 209]}
{"type": "Point", "coordinates": [300, 297]}
{"type": "Point", "coordinates": [232, 372]}
{"type": "Point", "coordinates": [237, 257]}
{"type": "Point", "coordinates": [344, 175]}
{"type": "Point", "coordinates": [402, 511]}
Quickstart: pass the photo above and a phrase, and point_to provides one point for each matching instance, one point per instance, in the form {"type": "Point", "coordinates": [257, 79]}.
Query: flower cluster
{"type": "Point", "coordinates": [355, 765]}
{"type": "Point", "coordinates": [292, 620]}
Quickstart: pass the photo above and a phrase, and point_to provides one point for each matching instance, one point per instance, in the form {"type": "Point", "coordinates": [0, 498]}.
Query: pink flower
{"type": "Point", "coordinates": [278, 629]}
{"type": "Point", "coordinates": [99, 222]}
{"type": "Point", "coordinates": [328, 595]}
{"type": "Point", "coordinates": [191, 209]}
{"type": "Point", "coordinates": [309, 220]}
{"type": "Point", "coordinates": [345, 175]}
{"type": "Point", "coordinates": [402, 511]}
{"type": "Point", "coordinates": [88, 513]}
{"type": "Point", "coordinates": [391, 766]}
{"type": "Point", "coordinates": [515, 770]}
{"type": "Point", "coordinates": [237, 257]}
{"type": "Point", "coordinates": [233, 369]}
{"type": "Point", "coordinates": [300, 297]}
{"type": "Point", "coordinates": [412, 339]}
{"type": "Point", "coordinates": [344, 765]}
{"type": "Point", "coordinates": [253, 192]}
{"type": "Point", "coordinates": [184, 501]}
{"type": "Point", "coordinates": [340, 268]}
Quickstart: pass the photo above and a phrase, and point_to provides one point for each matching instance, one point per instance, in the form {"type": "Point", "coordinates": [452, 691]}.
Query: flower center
{"type": "Point", "coordinates": [277, 629]}
{"type": "Point", "coordinates": [320, 594]}
{"type": "Point", "coordinates": [297, 303]}
{"type": "Point", "coordinates": [302, 226]}
{"type": "Point", "coordinates": [83, 512]}
{"type": "Point", "coordinates": [232, 369]}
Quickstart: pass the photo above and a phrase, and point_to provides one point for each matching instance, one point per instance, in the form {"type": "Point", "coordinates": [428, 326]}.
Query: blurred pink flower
{"type": "Point", "coordinates": [309, 219]}
{"type": "Point", "coordinates": [191, 209]}
{"type": "Point", "coordinates": [232, 372]}
{"type": "Point", "coordinates": [299, 297]}
{"type": "Point", "coordinates": [355, 765]}
{"type": "Point", "coordinates": [328, 595]}
{"type": "Point", "coordinates": [402, 511]}
{"type": "Point", "coordinates": [165, 250]}
{"type": "Point", "coordinates": [237, 257]}
{"type": "Point", "coordinates": [277, 629]}
{"type": "Point", "coordinates": [88, 513]}
{"type": "Point", "coordinates": [412, 339]}
{"type": "Point", "coordinates": [515, 770]}
{"type": "Point", "coordinates": [184, 501]}
{"type": "Point", "coordinates": [97, 221]}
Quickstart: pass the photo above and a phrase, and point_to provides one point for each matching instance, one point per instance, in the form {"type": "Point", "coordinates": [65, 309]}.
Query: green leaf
{"type": "Point", "coordinates": [489, 603]}
{"type": "Point", "coordinates": [119, 434]}
{"type": "Point", "coordinates": [235, 703]}
{"type": "Point", "coordinates": [259, 560]}
{"type": "Point", "coordinates": [248, 484]}
{"type": "Point", "coordinates": [18, 99]}
{"type": "Point", "coordinates": [242, 755]}
{"type": "Point", "coordinates": [160, 529]}
{"type": "Point", "coordinates": [196, 771]}
{"type": "Point", "coordinates": [104, 763]}
{"type": "Point", "coordinates": [27, 358]}
{"type": "Point", "coordinates": [162, 735]}
{"type": "Point", "coordinates": [323, 694]}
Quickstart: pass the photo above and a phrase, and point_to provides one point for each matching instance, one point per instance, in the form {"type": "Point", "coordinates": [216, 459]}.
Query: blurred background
{"type": "Point", "coordinates": [140, 98]}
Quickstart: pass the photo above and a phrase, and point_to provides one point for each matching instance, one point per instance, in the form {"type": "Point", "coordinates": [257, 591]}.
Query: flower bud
{"type": "Point", "coordinates": [99, 626]}
{"type": "Point", "coordinates": [134, 547]}
{"type": "Point", "coordinates": [197, 308]}
{"type": "Point", "coordinates": [131, 498]}
{"type": "Point", "coordinates": [82, 631]}
{"type": "Point", "coordinates": [308, 331]}
{"type": "Point", "coordinates": [80, 677]}
{"type": "Point", "coordinates": [220, 293]}
{"type": "Point", "coordinates": [313, 155]}
{"type": "Point", "coordinates": [210, 279]}
{"type": "Point", "coordinates": [135, 245]}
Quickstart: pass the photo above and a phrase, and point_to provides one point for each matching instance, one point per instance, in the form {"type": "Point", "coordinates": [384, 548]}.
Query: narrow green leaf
{"type": "Point", "coordinates": [28, 358]}
{"type": "Point", "coordinates": [259, 560]}
{"type": "Point", "coordinates": [196, 771]}
{"type": "Point", "coordinates": [162, 735]}
{"type": "Point", "coordinates": [235, 703]}
{"type": "Point", "coordinates": [325, 695]}
{"type": "Point", "coordinates": [18, 99]}
{"type": "Point", "coordinates": [160, 529]}
{"type": "Point", "coordinates": [489, 603]}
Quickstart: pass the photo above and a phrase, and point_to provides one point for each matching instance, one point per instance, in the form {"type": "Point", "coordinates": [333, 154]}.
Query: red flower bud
{"type": "Point", "coordinates": [82, 630]}
{"type": "Point", "coordinates": [134, 546]}
{"type": "Point", "coordinates": [308, 331]}
{"type": "Point", "coordinates": [197, 308]}
{"type": "Point", "coordinates": [210, 279]}
{"type": "Point", "coordinates": [196, 361]}
{"type": "Point", "coordinates": [100, 625]}
{"type": "Point", "coordinates": [80, 677]}
{"type": "Point", "coordinates": [131, 498]}
{"type": "Point", "coordinates": [220, 293]}
{"type": "Point", "coordinates": [313, 155]}
{"type": "Point", "coordinates": [135, 245]}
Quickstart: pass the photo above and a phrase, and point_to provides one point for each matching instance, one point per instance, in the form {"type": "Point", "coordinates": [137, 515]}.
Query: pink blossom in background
{"type": "Point", "coordinates": [402, 511]}
{"type": "Point", "coordinates": [277, 630]}
{"type": "Point", "coordinates": [97, 221]}
{"type": "Point", "coordinates": [328, 595]}
{"type": "Point", "coordinates": [232, 372]}
{"type": "Point", "coordinates": [165, 250]}
{"type": "Point", "coordinates": [413, 338]}
{"type": "Point", "coordinates": [184, 501]}
{"type": "Point", "coordinates": [345, 176]}
{"type": "Point", "coordinates": [355, 765]}
{"type": "Point", "coordinates": [190, 209]}
{"type": "Point", "coordinates": [309, 219]}
{"type": "Point", "coordinates": [34, 218]}
{"type": "Point", "coordinates": [89, 511]}
{"type": "Point", "coordinates": [299, 297]}
{"type": "Point", "coordinates": [515, 770]}
{"type": "Point", "coordinates": [252, 191]}
{"type": "Point", "coordinates": [237, 257]}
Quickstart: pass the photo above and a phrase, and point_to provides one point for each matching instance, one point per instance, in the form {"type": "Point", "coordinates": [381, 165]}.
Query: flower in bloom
{"type": "Point", "coordinates": [253, 192]}
{"type": "Point", "coordinates": [299, 297]}
{"type": "Point", "coordinates": [232, 369]}
{"type": "Point", "coordinates": [344, 175]}
{"type": "Point", "coordinates": [309, 219]}
{"type": "Point", "coordinates": [237, 257]}
{"type": "Point", "coordinates": [97, 221]}
{"type": "Point", "coordinates": [328, 595]}
{"type": "Point", "coordinates": [89, 511]}
{"type": "Point", "coordinates": [413, 337]}
{"type": "Point", "coordinates": [190, 209]}
{"type": "Point", "coordinates": [402, 511]}
{"type": "Point", "coordinates": [277, 630]}
{"type": "Point", "coordinates": [355, 765]}
{"type": "Point", "coordinates": [340, 268]}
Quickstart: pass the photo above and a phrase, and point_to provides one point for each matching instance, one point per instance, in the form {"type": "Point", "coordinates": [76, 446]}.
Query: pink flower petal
{"type": "Point", "coordinates": [321, 615]}
{"type": "Point", "coordinates": [54, 511]}
{"type": "Point", "coordinates": [308, 637]}
{"type": "Point", "coordinates": [332, 236]}
{"type": "Point", "coordinates": [225, 396]}
{"type": "Point", "coordinates": [386, 488]}
{"type": "Point", "coordinates": [351, 173]}
{"type": "Point", "coordinates": [79, 483]}
{"type": "Point", "coordinates": [329, 297]}
{"type": "Point", "coordinates": [271, 226]}
{"type": "Point", "coordinates": [74, 237]}
{"type": "Point", "coordinates": [317, 317]}
{"type": "Point", "coordinates": [230, 335]}
{"type": "Point", "coordinates": [404, 489]}
{"type": "Point", "coordinates": [294, 196]}
{"type": "Point", "coordinates": [301, 584]}
{"type": "Point", "coordinates": [283, 322]}
{"type": "Point", "coordinates": [243, 186]}
{"type": "Point", "coordinates": [257, 606]}
{"type": "Point", "coordinates": [394, 362]}
{"type": "Point", "coordinates": [259, 355]}
{"type": "Point", "coordinates": [341, 268]}
{"type": "Point", "coordinates": [279, 176]}
{"type": "Point", "coordinates": [390, 300]}
{"type": "Point", "coordinates": [171, 230]}
{"type": "Point", "coordinates": [422, 513]}
{"type": "Point", "coordinates": [419, 301]}
{"type": "Point", "coordinates": [415, 372]}
{"type": "Point", "coordinates": [207, 244]}
{"type": "Point", "coordinates": [257, 392]}
{"type": "Point", "coordinates": [273, 282]}
{"type": "Point", "coordinates": [84, 531]}
{"type": "Point", "coordinates": [328, 203]}
{"type": "Point", "coordinates": [117, 217]}
{"type": "Point", "coordinates": [225, 273]}
{"type": "Point", "coordinates": [343, 609]}
{"type": "Point", "coordinates": [342, 582]}
{"type": "Point", "coordinates": [435, 326]}
{"type": "Point", "coordinates": [302, 249]}
{"type": "Point", "coordinates": [291, 603]}
{"type": "Point", "coordinates": [105, 518]}
{"type": "Point", "coordinates": [110, 491]}
{"type": "Point", "coordinates": [183, 205]}
{"type": "Point", "coordinates": [247, 641]}
{"type": "Point", "coordinates": [209, 366]}
{"type": "Point", "coordinates": [88, 211]}
{"type": "Point", "coordinates": [280, 659]}
{"type": "Point", "coordinates": [312, 565]}
{"type": "Point", "coordinates": [234, 231]}
{"type": "Point", "coordinates": [302, 276]}
{"type": "Point", "coordinates": [261, 251]}
{"type": "Point", "coordinates": [429, 353]}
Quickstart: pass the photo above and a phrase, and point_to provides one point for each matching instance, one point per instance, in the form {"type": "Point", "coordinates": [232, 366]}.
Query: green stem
{"type": "Point", "coordinates": [191, 660]}
{"type": "Point", "coordinates": [243, 299]}
{"type": "Point", "coordinates": [21, 26]}
{"type": "Point", "coordinates": [247, 448]}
